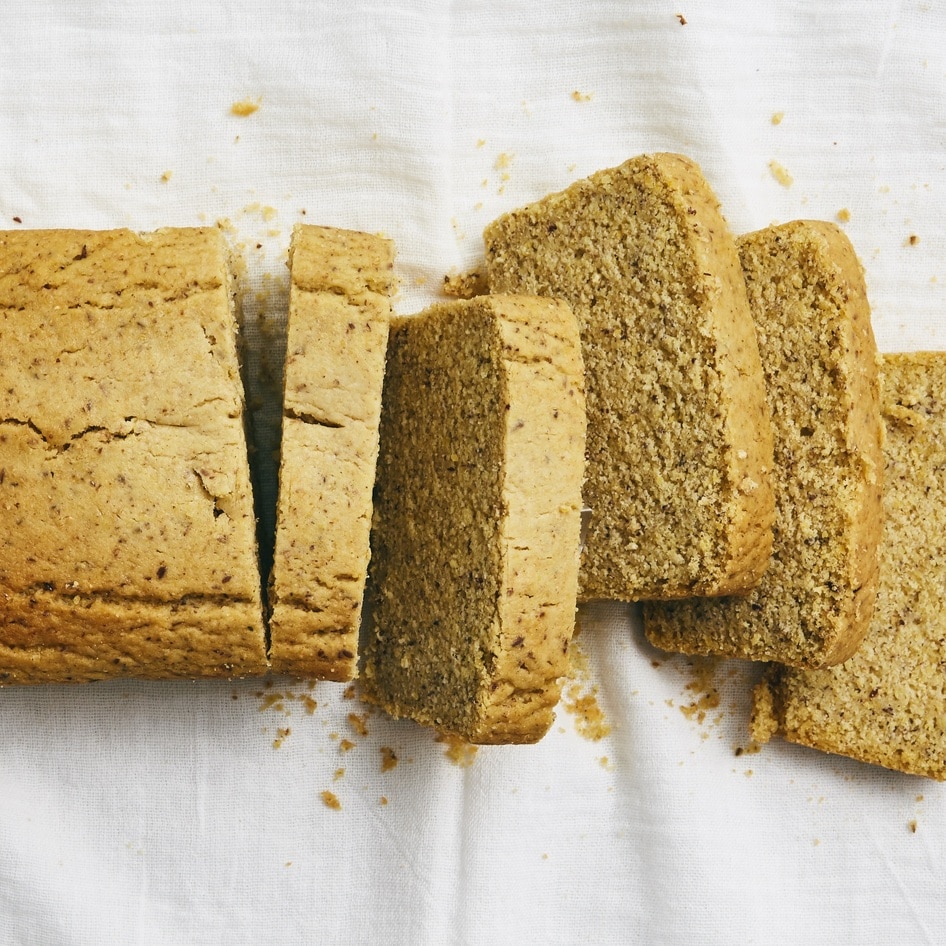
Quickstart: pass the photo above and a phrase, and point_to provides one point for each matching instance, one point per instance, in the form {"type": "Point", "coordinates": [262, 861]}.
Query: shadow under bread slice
{"type": "Point", "coordinates": [475, 540]}
{"type": "Point", "coordinates": [814, 603]}
{"type": "Point", "coordinates": [337, 332]}
{"type": "Point", "coordinates": [887, 703]}
{"type": "Point", "coordinates": [679, 450]}
{"type": "Point", "coordinates": [128, 545]}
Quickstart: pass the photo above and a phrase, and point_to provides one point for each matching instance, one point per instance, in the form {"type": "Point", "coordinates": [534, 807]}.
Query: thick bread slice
{"type": "Point", "coordinates": [128, 545]}
{"type": "Point", "coordinates": [887, 703]}
{"type": "Point", "coordinates": [476, 534]}
{"type": "Point", "coordinates": [339, 313]}
{"type": "Point", "coordinates": [813, 605]}
{"type": "Point", "coordinates": [679, 441]}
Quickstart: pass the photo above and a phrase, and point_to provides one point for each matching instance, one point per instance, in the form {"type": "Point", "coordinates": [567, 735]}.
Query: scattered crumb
{"type": "Point", "coordinates": [816, 842]}
{"type": "Point", "coordinates": [384, 800]}
{"type": "Point", "coordinates": [751, 749]}
{"type": "Point", "coordinates": [465, 285]}
{"type": "Point", "coordinates": [919, 798]}
{"type": "Point", "coordinates": [681, 19]}
{"type": "Point", "coordinates": [912, 826]}
{"type": "Point", "coordinates": [359, 723]}
{"type": "Point", "coordinates": [272, 701]}
{"type": "Point", "coordinates": [581, 96]}
{"type": "Point", "coordinates": [245, 107]}
{"type": "Point", "coordinates": [481, 143]}
{"type": "Point", "coordinates": [350, 692]}
{"type": "Point", "coordinates": [545, 857]}
{"type": "Point", "coordinates": [703, 683]}
{"type": "Point", "coordinates": [281, 734]}
{"type": "Point", "coordinates": [165, 177]}
{"type": "Point", "coordinates": [346, 745]}
{"type": "Point", "coordinates": [843, 215]}
{"type": "Point", "coordinates": [605, 763]}
{"type": "Point", "coordinates": [17, 219]}
{"type": "Point", "coordinates": [288, 864]}
{"type": "Point", "coordinates": [388, 759]}
{"type": "Point", "coordinates": [309, 704]}
{"type": "Point", "coordinates": [748, 773]}
{"type": "Point", "coordinates": [339, 773]}
{"type": "Point", "coordinates": [781, 174]}
{"type": "Point", "coordinates": [912, 240]}
{"type": "Point", "coordinates": [460, 753]}
{"type": "Point", "coordinates": [777, 118]}
{"type": "Point", "coordinates": [503, 161]}
{"type": "Point", "coordinates": [330, 800]}
{"type": "Point", "coordinates": [580, 696]}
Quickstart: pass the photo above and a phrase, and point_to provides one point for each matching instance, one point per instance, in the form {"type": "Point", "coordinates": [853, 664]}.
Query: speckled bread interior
{"type": "Point", "coordinates": [679, 449]}
{"type": "Point", "coordinates": [475, 540]}
{"type": "Point", "coordinates": [886, 703]}
{"type": "Point", "coordinates": [814, 603]}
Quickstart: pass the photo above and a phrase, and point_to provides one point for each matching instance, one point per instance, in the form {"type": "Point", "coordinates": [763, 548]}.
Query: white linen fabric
{"type": "Point", "coordinates": [193, 813]}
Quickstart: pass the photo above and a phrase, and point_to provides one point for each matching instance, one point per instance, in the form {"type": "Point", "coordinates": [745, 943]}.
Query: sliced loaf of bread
{"type": "Point", "coordinates": [475, 541]}
{"type": "Point", "coordinates": [679, 442]}
{"type": "Point", "coordinates": [887, 703]}
{"type": "Point", "coordinates": [814, 603]}
{"type": "Point", "coordinates": [337, 332]}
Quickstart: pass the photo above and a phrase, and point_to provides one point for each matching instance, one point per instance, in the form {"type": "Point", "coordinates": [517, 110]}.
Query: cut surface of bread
{"type": "Point", "coordinates": [814, 603]}
{"type": "Point", "coordinates": [339, 314]}
{"type": "Point", "coordinates": [887, 703]}
{"type": "Point", "coordinates": [475, 541]}
{"type": "Point", "coordinates": [679, 442]}
{"type": "Point", "coordinates": [128, 545]}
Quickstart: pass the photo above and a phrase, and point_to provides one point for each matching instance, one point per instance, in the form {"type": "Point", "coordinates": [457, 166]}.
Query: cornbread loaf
{"type": "Point", "coordinates": [128, 545]}
{"type": "Point", "coordinates": [887, 703]}
{"type": "Point", "coordinates": [814, 603]}
{"type": "Point", "coordinates": [339, 311]}
{"type": "Point", "coordinates": [679, 442]}
{"type": "Point", "coordinates": [475, 539]}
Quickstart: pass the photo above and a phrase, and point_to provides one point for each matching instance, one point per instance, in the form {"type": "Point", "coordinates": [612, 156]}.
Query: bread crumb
{"type": "Point", "coordinates": [780, 173]}
{"type": "Point", "coordinates": [481, 143]}
{"type": "Point", "coordinates": [384, 800]}
{"type": "Point", "coordinates": [309, 704]}
{"type": "Point", "coordinates": [580, 696]}
{"type": "Point", "coordinates": [330, 800]}
{"type": "Point", "coordinates": [912, 826]}
{"type": "Point", "coordinates": [581, 96]}
{"type": "Point", "coordinates": [777, 118]}
{"type": "Point", "coordinates": [459, 752]}
{"type": "Point", "coordinates": [273, 701]}
{"type": "Point", "coordinates": [465, 285]}
{"type": "Point", "coordinates": [245, 107]}
{"type": "Point", "coordinates": [681, 19]}
{"type": "Point", "coordinates": [388, 759]}
{"type": "Point", "coordinates": [359, 723]}
{"type": "Point", "coordinates": [339, 773]}
{"type": "Point", "coordinates": [503, 161]}
{"type": "Point", "coordinates": [751, 749]}
{"type": "Point", "coordinates": [346, 745]}
{"type": "Point", "coordinates": [912, 240]}
{"type": "Point", "coordinates": [165, 177]}
{"type": "Point", "coordinates": [843, 215]}
{"type": "Point", "coordinates": [281, 734]}
{"type": "Point", "coordinates": [351, 691]}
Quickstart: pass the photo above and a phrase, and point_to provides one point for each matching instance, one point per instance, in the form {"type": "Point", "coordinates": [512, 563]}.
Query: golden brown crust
{"type": "Point", "coordinates": [813, 605]}
{"type": "Point", "coordinates": [339, 313]}
{"type": "Point", "coordinates": [679, 444]}
{"type": "Point", "coordinates": [482, 443]}
{"type": "Point", "coordinates": [123, 463]}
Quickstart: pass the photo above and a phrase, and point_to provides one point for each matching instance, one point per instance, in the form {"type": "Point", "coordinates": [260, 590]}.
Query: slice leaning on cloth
{"type": "Point", "coordinates": [129, 545]}
{"type": "Point", "coordinates": [814, 603]}
{"type": "Point", "coordinates": [679, 449]}
{"type": "Point", "coordinates": [887, 703]}
{"type": "Point", "coordinates": [475, 541]}
{"type": "Point", "coordinates": [339, 314]}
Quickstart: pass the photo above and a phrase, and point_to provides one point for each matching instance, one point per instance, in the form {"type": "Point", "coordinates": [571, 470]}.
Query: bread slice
{"type": "Point", "coordinates": [339, 313]}
{"type": "Point", "coordinates": [813, 605]}
{"type": "Point", "coordinates": [679, 441]}
{"type": "Point", "coordinates": [887, 703]}
{"type": "Point", "coordinates": [476, 535]}
{"type": "Point", "coordinates": [128, 546]}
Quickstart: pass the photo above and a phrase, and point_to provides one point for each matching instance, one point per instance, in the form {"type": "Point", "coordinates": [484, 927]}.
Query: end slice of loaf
{"type": "Point", "coordinates": [814, 603]}
{"type": "Point", "coordinates": [679, 440]}
{"type": "Point", "coordinates": [475, 541]}
{"type": "Point", "coordinates": [339, 314]}
{"type": "Point", "coordinates": [128, 545]}
{"type": "Point", "coordinates": [887, 703]}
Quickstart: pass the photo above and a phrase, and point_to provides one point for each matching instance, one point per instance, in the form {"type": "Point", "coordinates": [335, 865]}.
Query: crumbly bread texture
{"type": "Point", "coordinates": [813, 605]}
{"type": "Point", "coordinates": [679, 440]}
{"type": "Point", "coordinates": [475, 540]}
{"type": "Point", "coordinates": [339, 315]}
{"type": "Point", "coordinates": [128, 545]}
{"type": "Point", "coordinates": [887, 703]}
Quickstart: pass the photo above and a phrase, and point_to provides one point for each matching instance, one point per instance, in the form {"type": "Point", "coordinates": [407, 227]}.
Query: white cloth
{"type": "Point", "coordinates": [162, 813]}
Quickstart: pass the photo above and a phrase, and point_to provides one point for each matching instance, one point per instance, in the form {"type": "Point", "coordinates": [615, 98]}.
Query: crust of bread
{"type": "Point", "coordinates": [128, 546]}
{"type": "Point", "coordinates": [339, 315]}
